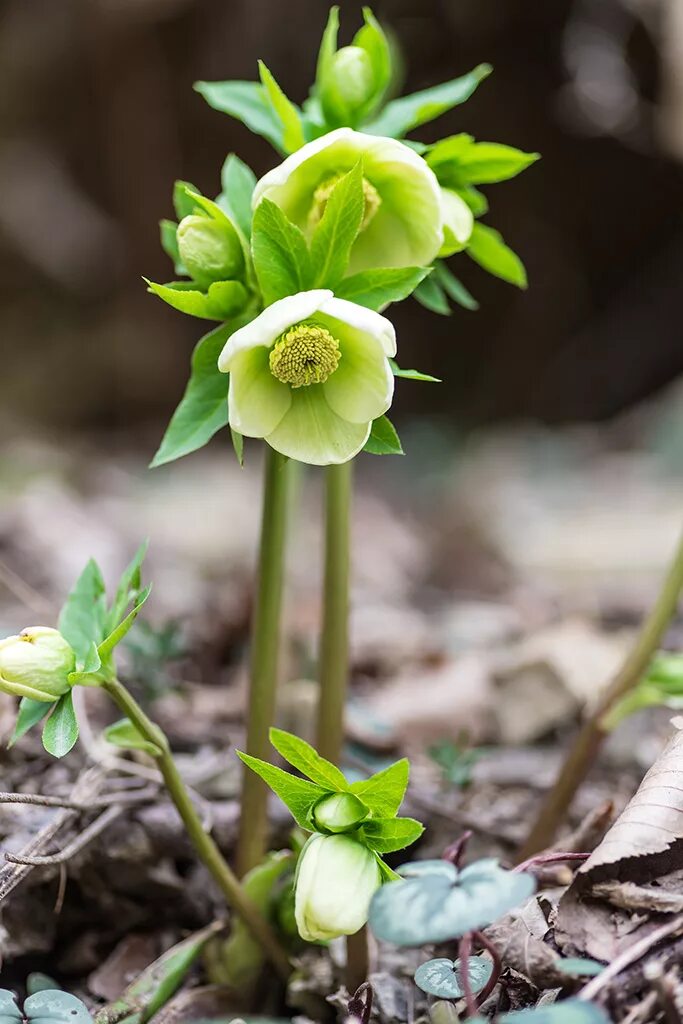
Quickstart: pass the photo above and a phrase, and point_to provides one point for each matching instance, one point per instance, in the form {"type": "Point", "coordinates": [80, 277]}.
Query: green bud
{"type": "Point", "coordinates": [336, 879]}
{"type": "Point", "coordinates": [339, 812]}
{"type": "Point", "coordinates": [36, 664]}
{"type": "Point", "coordinates": [351, 81]}
{"type": "Point", "coordinates": [210, 250]}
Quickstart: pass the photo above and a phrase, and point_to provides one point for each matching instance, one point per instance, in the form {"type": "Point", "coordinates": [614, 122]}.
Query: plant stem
{"type": "Point", "coordinates": [206, 848]}
{"type": "Point", "coordinates": [464, 953]}
{"type": "Point", "coordinates": [591, 736]}
{"type": "Point", "coordinates": [265, 641]}
{"type": "Point", "coordinates": [357, 965]}
{"type": "Point", "coordinates": [334, 645]}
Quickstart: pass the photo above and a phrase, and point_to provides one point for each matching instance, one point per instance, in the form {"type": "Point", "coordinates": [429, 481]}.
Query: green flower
{"type": "Point", "coordinates": [210, 249]}
{"type": "Point", "coordinates": [309, 375]}
{"type": "Point", "coordinates": [336, 878]}
{"type": "Point", "coordinates": [36, 664]}
{"type": "Point", "coordinates": [403, 222]}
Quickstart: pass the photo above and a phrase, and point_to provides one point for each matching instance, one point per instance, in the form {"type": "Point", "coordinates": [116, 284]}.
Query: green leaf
{"type": "Point", "coordinates": [485, 163]}
{"type": "Point", "coordinates": [248, 102]}
{"type": "Point", "coordinates": [402, 115]}
{"type": "Point", "coordinates": [453, 287]}
{"type": "Point", "coordinates": [129, 586]}
{"type": "Point", "coordinates": [52, 1006]}
{"type": "Point", "coordinates": [377, 288]}
{"type": "Point", "coordinates": [82, 620]}
{"type": "Point", "coordinates": [307, 760]}
{"type": "Point", "coordinates": [338, 229]}
{"type": "Point", "coordinates": [431, 295]}
{"type": "Point", "coordinates": [30, 713]}
{"type": "Point", "coordinates": [238, 445]}
{"type": "Point", "coordinates": [287, 113]}
{"type": "Point", "coordinates": [124, 734]}
{"type": "Point", "coordinates": [383, 792]}
{"type": "Point", "coordinates": [280, 253]}
{"type": "Point", "coordinates": [183, 202]}
{"type": "Point", "coordinates": [9, 1011]}
{"type": "Point", "coordinates": [297, 794]}
{"type": "Point", "coordinates": [224, 299]}
{"type": "Point", "coordinates": [476, 200]}
{"type": "Point", "coordinates": [237, 182]}
{"type": "Point", "coordinates": [383, 438]}
{"type": "Point", "coordinates": [487, 248]}
{"type": "Point", "coordinates": [384, 835]}
{"type": "Point", "coordinates": [203, 409]}
{"type": "Point", "coordinates": [442, 977]}
{"type": "Point", "coordinates": [61, 729]}
{"type": "Point", "coordinates": [169, 243]}
{"type": "Point", "coordinates": [569, 1011]}
{"type": "Point", "coordinates": [412, 374]}
{"type": "Point", "coordinates": [116, 636]}
{"type": "Point", "coordinates": [372, 39]}
{"type": "Point", "coordinates": [88, 667]}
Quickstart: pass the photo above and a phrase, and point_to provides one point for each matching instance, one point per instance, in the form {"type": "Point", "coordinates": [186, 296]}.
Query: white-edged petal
{"type": "Point", "coordinates": [311, 432]}
{"type": "Point", "coordinates": [269, 324]}
{"type": "Point", "coordinates": [280, 175]}
{"type": "Point", "coordinates": [363, 319]}
{"type": "Point", "coordinates": [257, 401]}
{"type": "Point", "coordinates": [362, 386]}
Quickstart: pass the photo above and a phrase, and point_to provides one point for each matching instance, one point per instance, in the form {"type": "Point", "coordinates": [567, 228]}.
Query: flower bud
{"type": "Point", "coordinates": [335, 882]}
{"type": "Point", "coordinates": [339, 812]}
{"type": "Point", "coordinates": [36, 664]}
{"type": "Point", "coordinates": [210, 250]}
{"type": "Point", "coordinates": [458, 222]}
{"type": "Point", "coordinates": [348, 85]}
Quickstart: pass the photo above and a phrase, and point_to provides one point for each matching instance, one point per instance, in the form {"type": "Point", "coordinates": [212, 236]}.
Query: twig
{"type": "Point", "coordinates": [542, 859]}
{"type": "Point", "coordinates": [629, 956]}
{"type": "Point", "coordinates": [464, 953]}
{"type": "Point", "coordinates": [71, 849]}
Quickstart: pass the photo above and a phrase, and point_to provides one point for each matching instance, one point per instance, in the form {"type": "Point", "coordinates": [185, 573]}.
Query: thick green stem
{"type": "Point", "coordinates": [334, 644]}
{"type": "Point", "coordinates": [265, 641]}
{"type": "Point", "coordinates": [591, 736]}
{"type": "Point", "coordinates": [206, 848]}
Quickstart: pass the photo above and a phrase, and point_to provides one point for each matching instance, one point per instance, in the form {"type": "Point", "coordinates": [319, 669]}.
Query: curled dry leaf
{"type": "Point", "coordinates": [643, 847]}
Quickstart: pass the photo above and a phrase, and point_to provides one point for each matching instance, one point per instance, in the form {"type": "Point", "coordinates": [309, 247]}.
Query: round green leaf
{"type": "Point", "coordinates": [9, 1011]}
{"type": "Point", "coordinates": [52, 1006]}
{"type": "Point", "coordinates": [442, 977]}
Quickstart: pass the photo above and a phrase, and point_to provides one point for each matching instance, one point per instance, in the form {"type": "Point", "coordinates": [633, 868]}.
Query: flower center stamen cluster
{"type": "Point", "coordinates": [305, 354]}
{"type": "Point", "coordinates": [371, 200]}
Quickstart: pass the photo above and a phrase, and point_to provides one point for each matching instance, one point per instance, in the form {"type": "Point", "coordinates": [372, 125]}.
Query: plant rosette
{"type": "Point", "coordinates": [353, 824]}
{"type": "Point", "coordinates": [309, 375]}
{"type": "Point", "coordinates": [402, 224]}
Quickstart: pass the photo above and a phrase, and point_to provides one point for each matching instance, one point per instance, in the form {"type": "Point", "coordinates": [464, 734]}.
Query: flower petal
{"type": "Point", "coordinates": [256, 400]}
{"type": "Point", "coordinates": [310, 431]}
{"type": "Point", "coordinates": [365, 320]}
{"type": "Point", "coordinates": [272, 322]}
{"type": "Point", "coordinates": [362, 386]}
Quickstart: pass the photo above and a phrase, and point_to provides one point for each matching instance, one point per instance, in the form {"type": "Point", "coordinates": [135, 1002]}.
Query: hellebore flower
{"type": "Point", "coordinates": [210, 249]}
{"type": "Point", "coordinates": [36, 664]}
{"type": "Point", "coordinates": [351, 81]}
{"type": "Point", "coordinates": [309, 375]}
{"type": "Point", "coordinates": [336, 879]}
{"type": "Point", "coordinates": [403, 221]}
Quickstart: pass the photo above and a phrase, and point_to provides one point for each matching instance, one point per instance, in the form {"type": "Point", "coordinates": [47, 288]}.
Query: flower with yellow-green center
{"type": "Point", "coordinates": [309, 375]}
{"type": "Point", "coordinates": [403, 221]}
{"type": "Point", "coordinates": [36, 664]}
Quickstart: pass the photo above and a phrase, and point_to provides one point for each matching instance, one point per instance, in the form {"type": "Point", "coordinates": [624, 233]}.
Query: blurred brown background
{"type": "Point", "coordinates": [98, 117]}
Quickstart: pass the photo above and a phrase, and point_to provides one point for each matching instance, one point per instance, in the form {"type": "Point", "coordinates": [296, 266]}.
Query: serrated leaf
{"type": "Point", "coordinates": [453, 287]}
{"type": "Point", "coordinates": [287, 113]}
{"type": "Point", "coordinates": [411, 374]}
{"type": "Point", "coordinates": [431, 295]}
{"type": "Point", "coordinates": [443, 978]}
{"type": "Point", "coordinates": [338, 229]}
{"type": "Point", "coordinates": [237, 183]}
{"type": "Point", "coordinates": [82, 620]}
{"type": "Point", "coordinates": [488, 248]}
{"type": "Point", "coordinates": [125, 735]}
{"type": "Point", "coordinates": [383, 438]}
{"type": "Point", "coordinates": [118, 633]}
{"type": "Point", "coordinates": [375, 289]}
{"type": "Point", "coordinates": [30, 713]}
{"type": "Point", "coordinates": [280, 252]}
{"type": "Point", "coordinates": [385, 835]}
{"type": "Point", "coordinates": [61, 729]}
{"type": "Point", "coordinates": [248, 102]}
{"type": "Point", "coordinates": [298, 795]}
{"type": "Point", "coordinates": [383, 792]}
{"type": "Point", "coordinates": [569, 1011]}
{"type": "Point", "coordinates": [183, 203]}
{"type": "Point", "coordinates": [224, 299]}
{"type": "Point", "coordinates": [203, 409]}
{"type": "Point", "coordinates": [52, 1006]}
{"type": "Point", "coordinates": [402, 115]}
{"type": "Point", "coordinates": [307, 760]}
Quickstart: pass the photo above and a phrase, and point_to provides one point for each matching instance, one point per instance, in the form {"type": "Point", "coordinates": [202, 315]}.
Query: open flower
{"type": "Point", "coordinates": [309, 375]}
{"type": "Point", "coordinates": [36, 664]}
{"type": "Point", "coordinates": [336, 879]}
{"type": "Point", "coordinates": [403, 222]}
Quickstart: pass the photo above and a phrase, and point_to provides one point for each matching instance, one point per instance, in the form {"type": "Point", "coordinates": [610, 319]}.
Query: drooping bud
{"type": "Point", "coordinates": [339, 812]}
{"type": "Point", "coordinates": [36, 664]}
{"type": "Point", "coordinates": [210, 250]}
{"type": "Point", "coordinates": [458, 222]}
{"type": "Point", "coordinates": [336, 879]}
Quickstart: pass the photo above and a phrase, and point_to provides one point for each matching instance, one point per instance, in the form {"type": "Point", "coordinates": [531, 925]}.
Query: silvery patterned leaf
{"type": "Point", "coordinates": [570, 1011]}
{"type": "Point", "coordinates": [442, 978]}
{"type": "Point", "coordinates": [51, 1006]}
{"type": "Point", "coordinates": [9, 1011]}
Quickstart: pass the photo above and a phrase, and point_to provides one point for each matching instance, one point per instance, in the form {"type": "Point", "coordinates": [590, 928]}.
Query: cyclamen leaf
{"type": "Point", "coordinates": [338, 228]}
{"type": "Point", "coordinates": [286, 111]}
{"type": "Point", "coordinates": [61, 729]}
{"type": "Point", "coordinates": [487, 248]}
{"type": "Point", "coordinates": [9, 1011]}
{"type": "Point", "coordinates": [203, 409]}
{"type": "Point", "coordinates": [384, 835]}
{"type": "Point", "coordinates": [298, 795]}
{"type": "Point", "coordinates": [124, 734]}
{"type": "Point", "coordinates": [383, 792]}
{"type": "Point", "coordinates": [30, 713]}
{"type": "Point", "coordinates": [248, 102]}
{"type": "Point", "coordinates": [442, 977]}
{"type": "Point", "coordinates": [402, 115]}
{"type": "Point", "coordinates": [223, 300]}
{"type": "Point", "coordinates": [569, 1011]}
{"type": "Point", "coordinates": [52, 1006]}
{"type": "Point", "coordinates": [453, 287]}
{"type": "Point", "coordinates": [307, 760]}
{"type": "Point", "coordinates": [82, 620]}
{"type": "Point", "coordinates": [383, 438]}
{"type": "Point", "coordinates": [280, 253]}
{"type": "Point", "coordinates": [117, 634]}
{"type": "Point", "coordinates": [431, 295]}
{"type": "Point", "coordinates": [377, 288]}
{"type": "Point", "coordinates": [237, 181]}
